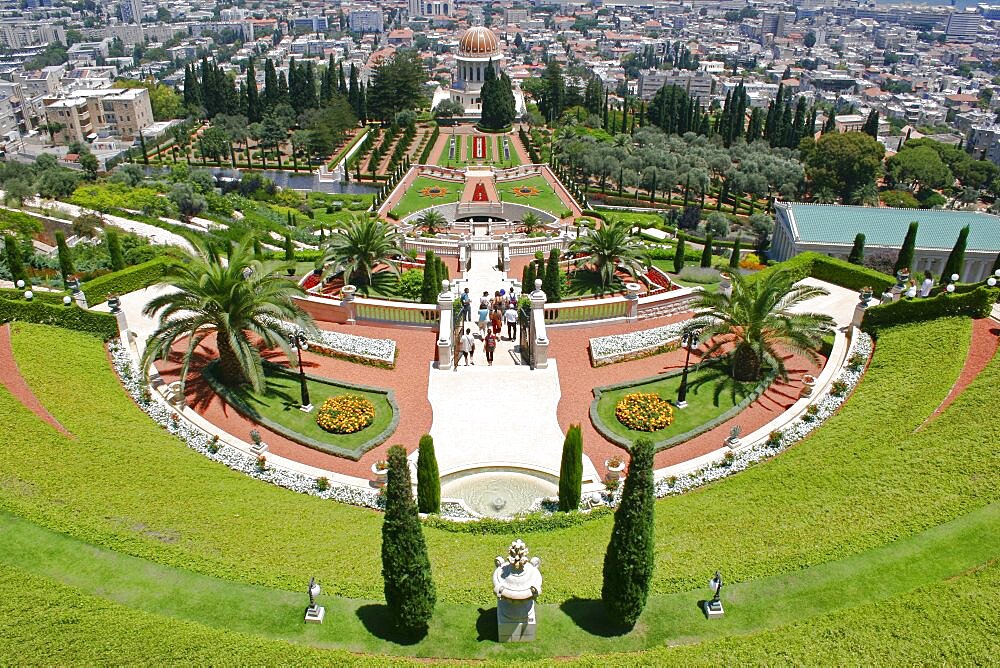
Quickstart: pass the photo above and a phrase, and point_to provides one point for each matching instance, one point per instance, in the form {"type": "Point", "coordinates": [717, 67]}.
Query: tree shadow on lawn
{"type": "Point", "coordinates": [591, 616]}
{"type": "Point", "coordinates": [376, 619]}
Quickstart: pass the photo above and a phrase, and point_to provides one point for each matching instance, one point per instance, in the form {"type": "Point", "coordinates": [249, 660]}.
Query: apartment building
{"type": "Point", "coordinates": [89, 114]}
{"type": "Point", "coordinates": [365, 19]}
{"type": "Point", "coordinates": [19, 34]}
{"type": "Point", "coordinates": [697, 84]}
{"type": "Point", "coordinates": [962, 26]}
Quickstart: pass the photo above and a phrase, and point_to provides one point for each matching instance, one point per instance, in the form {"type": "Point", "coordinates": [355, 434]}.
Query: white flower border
{"type": "Point", "coordinates": [197, 439]}
{"type": "Point", "coordinates": [380, 350]}
{"type": "Point", "coordinates": [604, 349]}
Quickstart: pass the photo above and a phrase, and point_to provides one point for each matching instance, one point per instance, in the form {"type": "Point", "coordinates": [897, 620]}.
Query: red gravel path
{"type": "Point", "coordinates": [577, 380]}
{"type": "Point", "coordinates": [982, 349]}
{"type": "Point", "coordinates": [409, 381]}
{"type": "Point", "coordinates": [11, 378]}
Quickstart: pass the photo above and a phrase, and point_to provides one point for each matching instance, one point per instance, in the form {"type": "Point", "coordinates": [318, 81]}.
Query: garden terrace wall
{"type": "Point", "coordinates": [975, 304]}
{"type": "Point", "coordinates": [365, 309]}
{"type": "Point", "coordinates": [125, 281]}
{"type": "Point", "coordinates": [73, 317]}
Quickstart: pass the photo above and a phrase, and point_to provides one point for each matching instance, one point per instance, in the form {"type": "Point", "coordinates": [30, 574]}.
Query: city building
{"type": "Point", "coordinates": [88, 114]}
{"type": "Point", "coordinates": [366, 19]}
{"type": "Point", "coordinates": [430, 8]}
{"type": "Point", "coordinates": [830, 229]}
{"type": "Point", "coordinates": [963, 26]}
{"type": "Point", "coordinates": [697, 84]}
{"type": "Point", "coordinates": [130, 11]}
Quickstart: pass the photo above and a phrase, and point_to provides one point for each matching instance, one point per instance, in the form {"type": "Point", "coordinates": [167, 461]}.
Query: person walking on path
{"type": "Point", "coordinates": [467, 344]}
{"type": "Point", "coordinates": [496, 317]}
{"type": "Point", "coordinates": [510, 317]}
{"type": "Point", "coordinates": [490, 346]}
{"type": "Point", "coordinates": [484, 314]}
{"type": "Point", "coordinates": [466, 313]}
{"type": "Point", "coordinates": [484, 301]}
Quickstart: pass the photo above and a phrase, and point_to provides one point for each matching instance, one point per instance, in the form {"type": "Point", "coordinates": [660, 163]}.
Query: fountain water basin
{"type": "Point", "coordinates": [498, 492]}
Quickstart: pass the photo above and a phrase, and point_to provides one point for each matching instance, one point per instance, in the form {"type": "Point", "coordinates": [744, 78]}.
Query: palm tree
{"type": "Point", "coordinates": [233, 298]}
{"type": "Point", "coordinates": [431, 220]}
{"type": "Point", "coordinates": [611, 247]}
{"type": "Point", "coordinates": [530, 222]}
{"type": "Point", "coordinates": [357, 249]}
{"type": "Point", "coordinates": [757, 318]}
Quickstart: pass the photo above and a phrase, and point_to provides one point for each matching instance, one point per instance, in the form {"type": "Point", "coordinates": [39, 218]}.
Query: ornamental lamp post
{"type": "Point", "coordinates": [297, 340]}
{"type": "Point", "coordinates": [713, 608]}
{"type": "Point", "coordinates": [314, 613]}
{"type": "Point", "coordinates": [689, 341]}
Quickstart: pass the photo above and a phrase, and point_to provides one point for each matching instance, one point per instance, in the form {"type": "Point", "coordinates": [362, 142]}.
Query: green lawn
{"type": "Point", "coordinates": [546, 199]}
{"type": "Point", "coordinates": [706, 401]}
{"type": "Point", "coordinates": [414, 201]}
{"type": "Point", "coordinates": [515, 159]}
{"type": "Point", "coordinates": [443, 158]}
{"type": "Point", "coordinates": [279, 404]}
{"type": "Point", "coordinates": [859, 482]}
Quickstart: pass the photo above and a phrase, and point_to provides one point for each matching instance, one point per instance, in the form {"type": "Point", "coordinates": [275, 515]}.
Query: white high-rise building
{"type": "Point", "coordinates": [963, 26]}
{"type": "Point", "coordinates": [130, 11]}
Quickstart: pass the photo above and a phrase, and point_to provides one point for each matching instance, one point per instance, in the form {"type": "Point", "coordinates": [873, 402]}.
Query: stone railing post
{"type": "Point", "coordinates": [540, 343]}
{"type": "Point", "coordinates": [632, 301]}
{"type": "Point", "coordinates": [347, 294]}
{"type": "Point", "coordinates": [445, 345]}
{"type": "Point", "coordinates": [505, 250]}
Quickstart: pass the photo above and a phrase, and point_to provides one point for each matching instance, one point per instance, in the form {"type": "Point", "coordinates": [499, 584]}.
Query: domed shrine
{"type": "Point", "coordinates": [477, 47]}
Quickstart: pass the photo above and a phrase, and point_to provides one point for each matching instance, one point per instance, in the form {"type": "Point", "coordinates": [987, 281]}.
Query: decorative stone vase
{"type": "Point", "coordinates": [348, 292]}
{"type": "Point", "coordinates": [517, 582]}
{"type": "Point", "coordinates": [380, 470]}
{"type": "Point", "coordinates": [615, 469]}
{"type": "Point", "coordinates": [808, 385]}
{"type": "Point", "coordinates": [725, 284]}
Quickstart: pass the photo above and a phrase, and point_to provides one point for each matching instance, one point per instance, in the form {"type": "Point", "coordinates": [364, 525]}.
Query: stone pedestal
{"type": "Point", "coordinates": [445, 345]}
{"type": "Point", "coordinates": [347, 294]}
{"type": "Point", "coordinates": [540, 343]}
{"type": "Point", "coordinates": [315, 614]}
{"type": "Point", "coordinates": [632, 301]}
{"type": "Point", "coordinates": [516, 620]}
{"type": "Point", "coordinates": [713, 609]}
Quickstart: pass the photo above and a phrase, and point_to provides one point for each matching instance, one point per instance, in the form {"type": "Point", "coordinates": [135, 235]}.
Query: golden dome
{"type": "Point", "coordinates": [478, 41]}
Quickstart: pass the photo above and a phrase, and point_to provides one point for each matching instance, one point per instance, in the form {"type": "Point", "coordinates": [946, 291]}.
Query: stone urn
{"type": "Point", "coordinates": [380, 470]}
{"type": "Point", "coordinates": [517, 582]}
{"type": "Point", "coordinates": [348, 292]}
{"type": "Point", "coordinates": [808, 385]}
{"type": "Point", "coordinates": [615, 466]}
{"type": "Point", "coordinates": [725, 284]}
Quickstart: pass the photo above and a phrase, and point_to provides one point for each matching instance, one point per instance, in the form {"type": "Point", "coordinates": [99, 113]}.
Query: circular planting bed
{"type": "Point", "coordinates": [644, 411]}
{"type": "Point", "coordinates": [346, 414]}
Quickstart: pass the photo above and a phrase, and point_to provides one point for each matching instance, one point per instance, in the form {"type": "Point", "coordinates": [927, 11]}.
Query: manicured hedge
{"type": "Point", "coordinates": [426, 153]}
{"type": "Point", "coordinates": [125, 281]}
{"type": "Point", "coordinates": [832, 270]}
{"type": "Point", "coordinates": [99, 324]}
{"type": "Point", "coordinates": [975, 304]}
{"type": "Point", "coordinates": [39, 295]}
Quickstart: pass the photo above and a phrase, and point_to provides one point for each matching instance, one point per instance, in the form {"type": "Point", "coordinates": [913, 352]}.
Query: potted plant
{"type": "Point", "coordinates": [615, 466]}
{"type": "Point", "coordinates": [866, 294]}
{"type": "Point", "coordinates": [808, 384]}
{"type": "Point", "coordinates": [258, 446]}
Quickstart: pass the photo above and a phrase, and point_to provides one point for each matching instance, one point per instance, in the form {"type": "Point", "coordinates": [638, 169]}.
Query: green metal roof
{"type": "Point", "coordinates": [833, 223]}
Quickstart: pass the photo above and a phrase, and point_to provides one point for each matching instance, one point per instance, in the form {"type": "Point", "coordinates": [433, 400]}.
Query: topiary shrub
{"type": "Point", "coordinates": [628, 562]}
{"type": "Point", "coordinates": [571, 470]}
{"type": "Point", "coordinates": [428, 477]}
{"type": "Point", "coordinates": [406, 569]}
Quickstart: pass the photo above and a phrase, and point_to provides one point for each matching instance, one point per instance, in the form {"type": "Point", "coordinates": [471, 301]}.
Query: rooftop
{"type": "Point", "coordinates": [939, 228]}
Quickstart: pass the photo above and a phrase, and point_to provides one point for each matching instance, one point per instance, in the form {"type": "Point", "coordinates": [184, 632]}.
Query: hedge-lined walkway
{"type": "Point", "coordinates": [10, 377]}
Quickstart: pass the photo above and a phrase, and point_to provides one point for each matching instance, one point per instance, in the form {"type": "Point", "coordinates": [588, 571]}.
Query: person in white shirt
{"type": "Point", "coordinates": [925, 287]}
{"type": "Point", "coordinates": [510, 317]}
{"type": "Point", "coordinates": [467, 345]}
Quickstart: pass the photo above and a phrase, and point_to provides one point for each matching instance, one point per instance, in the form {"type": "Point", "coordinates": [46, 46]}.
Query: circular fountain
{"type": "Point", "coordinates": [495, 492]}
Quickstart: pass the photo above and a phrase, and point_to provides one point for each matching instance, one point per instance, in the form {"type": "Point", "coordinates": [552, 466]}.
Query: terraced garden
{"type": "Point", "coordinates": [868, 516]}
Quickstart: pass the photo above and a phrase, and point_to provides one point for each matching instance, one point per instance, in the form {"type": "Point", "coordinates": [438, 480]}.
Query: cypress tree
{"type": "Point", "coordinates": [571, 470]}
{"type": "Point", "coordinates": [734, 259]}
{"type": "Point", "coordinates": [258, 250]}
{"type": "Point", "coordinates": [326, 82]}
{"type": "Point", "coordinates": [871, 124]}
{"type": "Point", "coordinates": [253, 97]}
{"type": "Point", "coordinates": [114, 244]}
{"type": "Point", "coordinates": [65, 257]}
{"type": "Point", "coordinates": [830, 125]}
{"type": "Point", "coordinates": [353, 93]}
{"type": "Point", "coordinates": [905, 260]}
{"type": "Point", "coordinates": [552, 283]}
{"type": "Point", "coordinates": [679, 254]}
{"type": "Point", "coordinates": [289, 253]}
{"type": "Point", "coordinates": [956, 258]}
{"type": "Point", "coordinates": [443, 273]}
{"type": "Point", "coordinates": [12, 255]}
{"type": "Point", "coordinates": [406, 569]}
{"type": "Point", "coordinates": [429, 288]}
{"type": "Point", "coordinates": [341, 81]}
{"type": "Point", "coordinates": [271, 96]}
{"type": "Point", "coordinates": [857, 255]}
{"type": "Point", "coordinates": [706, 252]}
{"type": "Point", "coordinates": [628, 563]}
{"type": "Point", "coordinates": [528, 277]}
{"type": "Point", "coordinates": [428, 478]}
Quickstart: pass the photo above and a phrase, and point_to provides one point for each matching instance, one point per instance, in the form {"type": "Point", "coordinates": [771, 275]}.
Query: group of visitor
{"type": "Point", "coordinates": [493, 314]}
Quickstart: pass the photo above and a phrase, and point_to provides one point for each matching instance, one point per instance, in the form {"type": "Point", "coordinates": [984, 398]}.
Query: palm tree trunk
{"type": "Point", "coordinates": [230, 371]}
{"type": "Point", "coordinates": [746, 364]}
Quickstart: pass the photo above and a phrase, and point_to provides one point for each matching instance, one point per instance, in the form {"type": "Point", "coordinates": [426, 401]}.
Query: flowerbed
{"type": "Point", "coordinates": [363, 349]}
{"type": "Point", "coordinates": [345, 414]}
{"type": "Point", "coordinates": [621, 347]}
{"type": "Point", "coordinates": [644, 411]}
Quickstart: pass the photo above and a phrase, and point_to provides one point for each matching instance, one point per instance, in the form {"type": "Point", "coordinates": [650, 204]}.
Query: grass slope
{"type": "Point", "coordinates": [862, 481]}
{"type": "Point", "coordinates": [546, 199]}
{"type": "Point", "coordinates": [414, 201]}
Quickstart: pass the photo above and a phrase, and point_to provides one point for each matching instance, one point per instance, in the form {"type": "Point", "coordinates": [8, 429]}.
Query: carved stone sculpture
{"type": "Point", "coordinates": [517, 582]}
